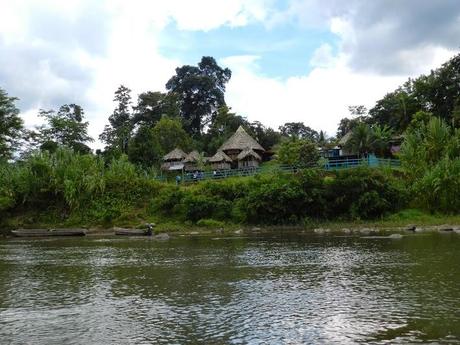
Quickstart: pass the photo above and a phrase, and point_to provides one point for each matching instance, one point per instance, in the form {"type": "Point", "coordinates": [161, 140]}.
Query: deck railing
{"type": "Point", "coordinates": [338, 164]}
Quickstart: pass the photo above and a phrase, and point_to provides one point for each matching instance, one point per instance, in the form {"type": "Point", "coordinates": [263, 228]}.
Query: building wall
{"type": "Point", "coordinates": [220, 166]}
{"type": "Point", "coordinates": [248, 163]}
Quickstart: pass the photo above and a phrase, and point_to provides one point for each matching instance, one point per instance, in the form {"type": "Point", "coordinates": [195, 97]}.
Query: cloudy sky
{"type": "Point", "coordinates": [292, 60]}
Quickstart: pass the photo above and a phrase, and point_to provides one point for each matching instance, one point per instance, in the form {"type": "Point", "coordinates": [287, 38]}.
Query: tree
{"type": "Point", "coordinates": [381, 139]}
{"type": "Point", "coordinates": [11, 126]}
{"type": "Point", "coordinates": [396, 109]}
{"type": "Point", "coordinates": [65, 127]}
{"type": "Point", "coordinates": [169, 134]}
{"type": "Point", "coordinates": [297, 130]}
{"type": "Point", "coordinates": [265, 136]}
{"type": "Point", "coordinates": [148, 146]}
{"type": "Point", "coordinates": [361, 139]}
{"type": "Point", "coordinates": [117, 134]}
{"type": "Point", "coordinates": [359, 115]}
{"type": "Point", "coordinates": [298, 152]}
{"type": "Point", "coordinates": [437, 93]}
{"type": "Point", "coordinates": [222, 126]}
{"type": "Point", "coordinates": [151, 106]}
{"type": "Point", "coordinates": [200, 92]}
{"type": "Point", "coordinates": [143, 148]}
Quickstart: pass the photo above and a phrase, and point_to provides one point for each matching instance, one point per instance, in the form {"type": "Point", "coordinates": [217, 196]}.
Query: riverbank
{"type": "Point", "coordinates": [397, 222]}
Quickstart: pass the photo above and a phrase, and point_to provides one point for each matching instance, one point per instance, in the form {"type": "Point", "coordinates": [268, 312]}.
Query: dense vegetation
{"type": "Point", "coordinates": [49, 175]}
{"type": "Point", "coordinates": [76, 188]}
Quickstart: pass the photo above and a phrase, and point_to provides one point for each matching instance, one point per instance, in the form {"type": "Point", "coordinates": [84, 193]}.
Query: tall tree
{"type": "Point", "coordinates": [117, 134]}
{"type": "Point", "coordinates": [298, 130]}
{"type": "Point", "coordinates": [65, 127]}
{"type": "Point", "coordinates": [11, 125]}
{"type": "Point", "coordinates": [151, 106]}
{"type": "Point", "coordinates": [200, 91]}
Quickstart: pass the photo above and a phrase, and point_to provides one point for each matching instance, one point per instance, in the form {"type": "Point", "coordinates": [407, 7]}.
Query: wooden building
{"type": "Point", "coordinates": [248, 158]}
{"type": "Point", "coordinates": [220, 161]}
{"type": "Point", "coordinates": [174, 160]}
{"type": "Point", "coordinates": [192, 161]}
{"type": "Point", "coordinates": [241, 142]}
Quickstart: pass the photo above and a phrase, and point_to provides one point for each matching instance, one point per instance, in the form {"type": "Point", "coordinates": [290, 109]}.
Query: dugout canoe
{"type": "Point", "coordinates": [48, 232]}
{"type": "Point", "coordinates": [131, 232]}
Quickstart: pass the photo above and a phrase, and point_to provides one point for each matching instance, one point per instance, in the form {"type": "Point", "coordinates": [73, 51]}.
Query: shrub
{"type": "Point", "coordinates": [364, 193]}
{"type": "Point", "coordinates": [439, 188]}
{"type": "Point", "coordinates": [210, 223]}
{"type": "Point", "coordinates": [197, 207]}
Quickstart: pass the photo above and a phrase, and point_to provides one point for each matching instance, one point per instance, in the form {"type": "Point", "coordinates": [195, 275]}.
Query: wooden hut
{"type": "Point", "coordinates": [191, 161]}
{"type": "Point", "coordinates": [248, 158]}
{"type": "Point", "coordinates": [220, 161]}
{"type": "Point", "coordinates": [174, 160]}
{"type": "Point", "coordinates": [241, 141]}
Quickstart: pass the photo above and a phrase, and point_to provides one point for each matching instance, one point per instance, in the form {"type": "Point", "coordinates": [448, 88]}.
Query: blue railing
{"type": "Point", "coordinates": [336, 164]}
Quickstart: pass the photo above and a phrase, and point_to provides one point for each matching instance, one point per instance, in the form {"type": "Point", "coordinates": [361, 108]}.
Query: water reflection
{"type": "Point", "coordinates": [308, 289]}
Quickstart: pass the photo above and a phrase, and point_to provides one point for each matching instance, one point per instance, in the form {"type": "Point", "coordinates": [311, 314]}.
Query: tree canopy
{"type": "Point", "coordinates": [200, 91]}
{"type": "Point", "coordinates": [116, 135]}
{"type": "Point", "coordinates": [65, 127]}
{"type": "Point", "coordinates": [11, 125]}
{"type": "Point", "coordinates": [298, 130]}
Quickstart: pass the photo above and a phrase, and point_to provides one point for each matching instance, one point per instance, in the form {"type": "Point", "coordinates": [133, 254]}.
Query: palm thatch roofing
{"type": "Point", "coordinates": [220, 156]}
{"type": "Point", "coordinates": [175, 155]}
{"type": "Point", "coordinates": [343, 141]}
{"type": "Point", "coordinates": [248, 152]}
{"type": "Point", "coordinates": [241, 140]}
{"type": "Point", "coordinates": [192, 157]}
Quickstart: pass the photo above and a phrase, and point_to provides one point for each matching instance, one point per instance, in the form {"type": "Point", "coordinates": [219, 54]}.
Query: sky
{"type": "Point", "coordinates": [292, 60]}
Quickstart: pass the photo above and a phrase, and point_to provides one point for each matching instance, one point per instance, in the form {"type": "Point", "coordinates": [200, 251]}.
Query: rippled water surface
{"type": "Point", "coordinates": [273, 290]}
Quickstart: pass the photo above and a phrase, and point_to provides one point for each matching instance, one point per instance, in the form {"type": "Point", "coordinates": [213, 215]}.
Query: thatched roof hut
{"type": "Point", "coordinates": [175, 155]}
{"type": "Point", "coordinates": [248, 153]}
{"type": "Point", "coordinates": [192, 157]}
{"type": "Point", "coordinates": [219, 157]}
{"type": "Point", "coordinates": [344, 140]}
{"type": "Point", "coordinates": [220, 161]}
{"type": "Point", "coordinates": [241, 140]}
{"type": "Point", "coordinates": [248, 158]}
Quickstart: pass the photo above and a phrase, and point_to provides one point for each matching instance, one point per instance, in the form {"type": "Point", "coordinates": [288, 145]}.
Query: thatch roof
{"type": "Point", "coordinates": [343, 141]}
{"type": "Point", "coordinates": [219, 157]}
{"type": "Point", "coordinates": [192, 157]}
{"type": "Point", "coordinates": [241, 140]}
{"type": "Point", "coordinates": [175, 155]}
{"type": "Point", "coordinates": [248, 152]}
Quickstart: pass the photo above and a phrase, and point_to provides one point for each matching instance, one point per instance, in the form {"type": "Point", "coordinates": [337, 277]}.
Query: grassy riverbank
{"type": "Point", "coordinates": [70, 190]}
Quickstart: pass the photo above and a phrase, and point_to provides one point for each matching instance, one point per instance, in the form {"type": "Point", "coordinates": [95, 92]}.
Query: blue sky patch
{"type": "Point", "coordinates": [284, 50]}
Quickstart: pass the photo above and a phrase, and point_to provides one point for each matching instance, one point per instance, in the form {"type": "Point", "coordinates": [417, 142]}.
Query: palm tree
{"type": "Point", "coordinates": [361, 139]}
{"type": "Point", "coordinates": [381, 139]}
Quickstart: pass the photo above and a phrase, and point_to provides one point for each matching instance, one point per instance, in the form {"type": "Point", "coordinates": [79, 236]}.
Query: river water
{"type": "Point", "coordinates": [275, 289]}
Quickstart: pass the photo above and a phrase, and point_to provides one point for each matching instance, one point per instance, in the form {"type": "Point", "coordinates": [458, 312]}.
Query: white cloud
{"type": "Point", "coordinates": [319, 99]}
{"type": "Point", "coordinates": [119, 43]}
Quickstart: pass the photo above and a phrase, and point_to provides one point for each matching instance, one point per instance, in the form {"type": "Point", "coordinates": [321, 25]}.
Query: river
{"type": "Point", "coordinates": [274, 289]}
